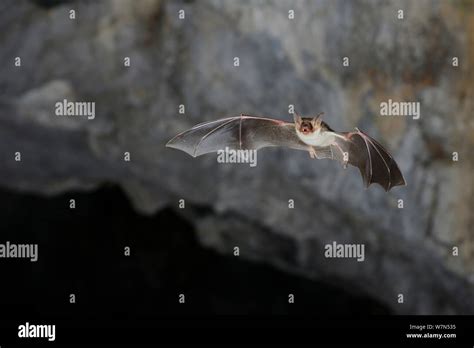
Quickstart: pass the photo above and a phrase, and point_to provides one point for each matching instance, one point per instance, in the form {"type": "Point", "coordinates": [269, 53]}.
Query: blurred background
{"type": "Point", "coordinates": [190, 61]}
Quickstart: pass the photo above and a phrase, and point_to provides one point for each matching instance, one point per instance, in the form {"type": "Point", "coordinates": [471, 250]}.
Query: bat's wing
{"type": "Point", "coordinates": [376, 165]}
{"type": "Point", "coordinates": [240, 132]}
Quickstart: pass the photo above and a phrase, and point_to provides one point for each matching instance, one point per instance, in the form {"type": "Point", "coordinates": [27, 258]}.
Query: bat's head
{"type": "Point", "coordinates": [307, 125]}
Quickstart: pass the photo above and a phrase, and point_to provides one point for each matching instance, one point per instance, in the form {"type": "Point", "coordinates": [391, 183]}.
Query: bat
{"type": "Point", "coordinates": [311, 134]}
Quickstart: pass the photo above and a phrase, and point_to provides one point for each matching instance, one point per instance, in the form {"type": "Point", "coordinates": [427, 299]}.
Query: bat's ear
{"type": "Point", "coordinates": [316, 121]}
{"type": "Point", "coordinates": [297, 118]}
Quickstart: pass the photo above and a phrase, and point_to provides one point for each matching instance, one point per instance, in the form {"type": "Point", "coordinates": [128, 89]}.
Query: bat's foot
{"type": "Point", "coordinates": [312, 153]}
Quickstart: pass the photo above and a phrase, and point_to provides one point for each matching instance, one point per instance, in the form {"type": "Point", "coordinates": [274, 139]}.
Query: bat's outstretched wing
{"type": "Point", "coordinates": [245, 132]}
{"type": "Point", "coordinates": [376, 165]}
{"type": "Point", "coordinates": [241, 132]}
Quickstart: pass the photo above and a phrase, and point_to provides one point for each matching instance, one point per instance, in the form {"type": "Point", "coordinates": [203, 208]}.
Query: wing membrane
{"type": "Point", "coordinates": [374, 162]}
{"type": "Point", "coordinates": [240, 132]}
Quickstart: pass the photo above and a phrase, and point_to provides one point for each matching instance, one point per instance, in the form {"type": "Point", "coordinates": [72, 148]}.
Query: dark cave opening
{"type": "Point", "coordinates": [47, 4]}
{"type": "Point", "coordinates": [81, 252]}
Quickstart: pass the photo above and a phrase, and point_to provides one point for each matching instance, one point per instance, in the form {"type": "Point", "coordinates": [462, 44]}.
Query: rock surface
{"type": "Point", "coordinates": [283, 61]}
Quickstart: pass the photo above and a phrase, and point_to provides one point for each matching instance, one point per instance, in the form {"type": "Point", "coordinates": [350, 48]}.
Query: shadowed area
{"type": "Point", "coordinates": [81, 252]}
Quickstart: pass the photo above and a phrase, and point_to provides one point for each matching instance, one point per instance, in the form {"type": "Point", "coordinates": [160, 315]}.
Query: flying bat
{"type": "Point", "coordinates": [311, 134]}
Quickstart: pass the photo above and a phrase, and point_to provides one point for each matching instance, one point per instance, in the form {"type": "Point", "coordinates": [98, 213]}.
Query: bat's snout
{"type": "Point", "coordinates": [305, 130]}
{"type": "Point", "coordinates": [305, 127]}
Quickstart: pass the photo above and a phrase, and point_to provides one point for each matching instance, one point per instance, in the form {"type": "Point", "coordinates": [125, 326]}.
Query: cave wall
{"type": "Point", "coordinates": [282, 61]}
